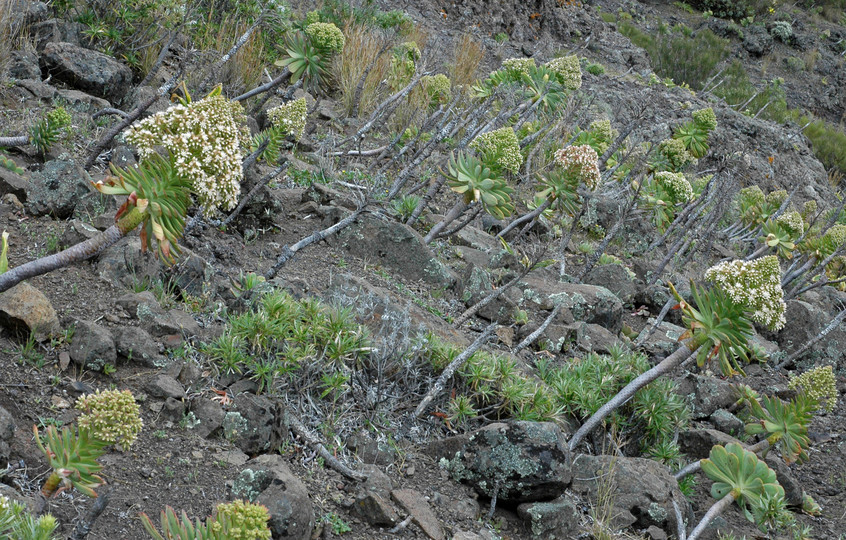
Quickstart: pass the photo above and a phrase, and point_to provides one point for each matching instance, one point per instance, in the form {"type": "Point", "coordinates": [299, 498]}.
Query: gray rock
{"type": "Point", "coordinates": [138, 346]}
{"type": "Point", "coordinates": [376, 510]}
{"type": "Point", "coordinates": [7, 425]}
{"type": "Point", "coordinates": [125, 264]}
{"type": "Point", "coordinates": [122, 156]}
{"type": "Point", "coordinates": [87, 70]}
{"type": "Point", "coordinates": [209, 414]}
{"type": "Point", "coordinates": [24, 65]}
{"type": "Point", "coordinates": [25, 309]}
{"type": "Point", "coordinates": [13, 183]}
{"type": "Point", "coordinates": [792, 488]}
{"type": "Point", "coordinates": [267, 480]}
{"type": "Point", "coordinates": [77, 231]}
{"type": "Point", "coordinates": [191, 273]}
{"type": "Point", "coordinates": [396, 247]}
{"type": "Point", "coordinates": [588, 303]}
{"type": "Point", "coordinates": [55, 31]}
{"type": "Point", "coordinates": [165, 386]}
{"type": "Point", "coordinates": [642, 491]}
{"type": "Point", "coordinates": [520, 461]}
{"type": "Point", "coordinates": [757, 41]}
{"type": "Point", "coordinates": [663, 341]}
{"type": "Point", "coordinates": [142, 306]}
{"type": "Point", "coordinates": [173, 322]}
{"type": "Point", "coordinates": [253, 424]}
{"type": "Point", "coordinates": [697, 443]}
{"type": "Point", "coordinates": [82, 102]}
{"type": "Point", "coordinates": [616, 278]}
{"type": "Point", "coordinates": [706, 394]}
{"type": "Point", "coordinates": [554, 520]}
{"type": "Point", "coordinates": [93, 346]}
{"type": "Point", "coordinates": [421, 513]}
{"type": "Point", "coordinates": [370, 451]}
{"type": "Point", "coordinates": [806, 321]}
{"type": "Point", "coordinates": [56, 189]}
{"type": "Point", "coordinates": [726, 422]}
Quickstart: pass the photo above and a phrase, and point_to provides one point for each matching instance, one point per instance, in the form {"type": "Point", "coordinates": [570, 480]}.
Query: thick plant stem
{"type": "Point", "coordinates": [80, 252]}
{"type": "Point", "coordinates": [530, 216]}
{"type": "Point", "coordinates": [624, 395]}
{"type": "Point", "coordinates": [531, 338]}
{"type": "Point", "coordinates": [452, 367]}
{"type": "Point", "coordinates": [8, 142]}
{"type": "Point", "coordinates": [718, 508]}
{"type": "Point", "coordinates": [475, 308]}
{"type": "Point", "coordinates": [451, 216]}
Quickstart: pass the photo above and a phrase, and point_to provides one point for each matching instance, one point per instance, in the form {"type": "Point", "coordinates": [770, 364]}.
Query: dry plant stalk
{"type": "Point", "coordinates": [9, 33]}
{"type": "Point", "coordinates": [363, 50]}
{"type": "Point", "coordinates": [245, 69]}
{"type": "Point", "coordinates": [468, 56]}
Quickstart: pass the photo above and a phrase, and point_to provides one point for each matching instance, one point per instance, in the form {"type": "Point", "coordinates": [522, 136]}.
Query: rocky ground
{"type": "Point", "coordinates": [124, 320]}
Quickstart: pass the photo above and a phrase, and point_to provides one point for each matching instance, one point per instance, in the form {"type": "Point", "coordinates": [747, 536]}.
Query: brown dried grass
{"type": "Point", "coordinates": [362, 49]}
{"type": "Point", "coordinates": [467, 57]}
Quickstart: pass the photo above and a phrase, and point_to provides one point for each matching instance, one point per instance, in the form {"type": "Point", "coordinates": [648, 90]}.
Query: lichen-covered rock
{"type": "Point", "coordinates": [87, 70]}
{"type": "Point", "coordinates": [554, 520]}
{"type": "Point", "coordinates": [642, 491]}
{"type": "Point", "coordinates": [267, 480]}
{"type": "Point", "coordinates": [93, 346]}
{"type": "Point", "coordinates": [706, 394]}
{"type": "Point", "coordinates": [253, 425]}
{"type": "Point", "coordinates": [56, 189]}
{"type": "Point", "coordinates": [519, 461]}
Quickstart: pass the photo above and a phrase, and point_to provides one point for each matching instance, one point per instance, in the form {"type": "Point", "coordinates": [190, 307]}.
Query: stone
{"type": "Point", "coordinates": [697, 443]}
{"type": "Point", "coordinates": [253, 424]}
{"type": "Point", "coordinates": [24, 65]}
{"type": "Point", "coordinates": [641, 491]}
{"type": "Point", "coordinates": [793, 492]}
{"type": "Point", "coordinates": [76, 231]}
{"type": "Point", "coordinates": [663, 341]}
{"type": "Point", "coordinates": [164, 386]}
{"type": "Point", "coordinates": [122, 156]}
{"type": "Point", "coordinates": [7, 425]}
{"type": "Point", "coordinates": [726, 422]}
{"type": "Point", "coordinates": [519, 461]}
{"type": "Point", "coordinates": [56, 189]}
{"type": "Point", "coordinates": [465, 535]}
{"type": "Point", "coordinates": [806, 321]}
{"type": "Point", "coordinates": [757, 41]}
{"type": "Point", "coordinates": [656, 533]}
{"type": "Point", "coordinates": [138, 346]}
{"type": "Point", "coordinates": [554, 520]}
{"type": "Point", "coordinates": [421, 513]}
{"type": "Point", "coordinates": [370, 451]}
{"type": "Point", "coordinates": [616, 278]}
{"type": "Point", "coordinates": [377, 481]}
{"type": "Point", "coordinates": [706, 394]}
{"type": "Point", "coordinates": [87, 70]}
{"type": "Point", "coordinates": [210, 415]}
{"type": "Point", "coordinates": [126, 264]}
{"type": "Point", "coordinates": [55, 31]}
{"type": "Point", "coordinates": [173, 410]}
{"type": "Point", "coordinates": [174, 321]}
{"type": "Point", "coordinates": [267, 480]}
{"type": "Point", "coordinates": [396, 247]}
{"type": "Point", "coordinates": [376, 510]}
{"type": "Point", "coordinates": [82, 102]}
{"type": "Point", "coordinates": [190, 273]}
{"type": "Point", "coordinates": [25, 309]}
{"type": "Point", "coordinates": [142, 306]}
{"type": "Point", "coordinates": [588, 303]}
{"type": "Point", "coordinates": [92, 346]}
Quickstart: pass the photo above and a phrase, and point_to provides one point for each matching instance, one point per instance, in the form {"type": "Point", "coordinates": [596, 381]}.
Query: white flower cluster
{"type": "Point", "coordinates": [836, 235]}
{"type": "Point", "coordinates": [568, 70]}
{"type": "Point", "coordinates": [501, 148]}
{"type": "Point", "coordinates": [819, 384]}
{"type": "Point", "coordinates": [675, 153]}
{"type": "Point", "coordinates": [676, 186]}
{"type": "Point", "coordinates": [581, 160]}
{"type": "Point", "coordinates": [755, 285]}
{"type": "Point", "coordinates": [792, 222]}
{"type": "Point", "coordinates": [204, 139]}
{"type": "Point", "coordinates": [111, 416]}
{"type": "Point", "coordinates": [517, 66]}
{"type": "Point", "coordinates": [705, 119]}
{"type": "Point", "coordinates": [326, 36]}
{"type": "Point", "coordinates": [291, 116]}
{"type": "Point", "coordinates": [777, 197]}
{"type": "Point", "coordinates": [603, 134]}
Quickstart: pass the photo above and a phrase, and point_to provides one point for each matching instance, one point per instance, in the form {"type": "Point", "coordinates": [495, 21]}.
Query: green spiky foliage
{"type": "Point", "coordinates": [598, 136]}
{"type": "Point", "coordinates": [560, 187]}
{"type": "Point", "coordinates": [785, 424]}
{"type": "Point", "coordinates": [469, 177]}
{"type": "Point", "coordinates": [717, 327]}
{"type": "Point", "coordinates": [73, 457]}
{"type": "Point", "coordinates": [695, 134]}
{"type": "Point", "coordinates": [4, 253]}
{"type": "Point", "coordinates": [542, 87]}
{"type": "Point", "coordinates": [158, 195]}
{"type": "Point", "coordinates": [17, 523]}
{"type": "Point", "coordinates": [739, 473]}
{"type": "Point", "coordinates": [182, 528]}
{"type": "Point", "coordinates": [671, 155]}
{"type": "Point", "coordinates": [10, 165]}
{"type": "Point", "coordinates": [47, 131]}
{"type": "Point", "coordinates": [305, 60]}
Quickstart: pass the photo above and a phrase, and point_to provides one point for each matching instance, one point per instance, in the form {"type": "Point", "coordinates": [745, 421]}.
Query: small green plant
{"type": "Point", "coordinates": [405, 206]}
{"type": "Point", "coordinates": [469, 177]}
{"type": "Point", "coordinates": [73, 457]}
{"type": "Point", "coordinates": [17, 523]}
{"type": "Point", "coordinates": [501, 38]}
{"type": "Point", "coordinates": [820, 385]}
{"type": "Point", "coordinates": [49, 129]}
{"type": "Point", "coordinates": [785, 424]}
{"type": "Point", "coordinates": [29, 352]}
{"type": "Point", "coordinates": [338, 525]}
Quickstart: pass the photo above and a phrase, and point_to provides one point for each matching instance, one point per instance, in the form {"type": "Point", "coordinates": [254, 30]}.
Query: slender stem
{"type": "Point", "coordinates": [19, 140]}
{"type": "Point", "coordinates": [624, 395]}
{"type": "Point", "coordinates": [79, 252]}
{"type": "Point", "coordinates": [718, 508]}
{"type": "Point", "coordinates": [529, 216]}
{"type": "Point", "coordinates": [493, 295]}
{"type": "Point", "coordinates": [451, 216]}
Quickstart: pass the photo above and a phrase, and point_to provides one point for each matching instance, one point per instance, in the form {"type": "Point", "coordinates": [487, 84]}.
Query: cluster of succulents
{"type": "Point", "coordinates": [676, 185]}
{"type": "Point", "coordinates": [568, 70]}
{"type": "Point", "coordinates": [472, 178]}
{"type": "Point", "coordinates": [500, 149]}
{"type": "Point", "coordinates": [49, 129]}
{"type": "Point", "coordinates": [290, 117]}
{"type": "Point", "coordinates": [326, 36]}
{"type": "Point", "coordinates": [438, 88]}
{"type": "Point", "coordinates": [673, 155]}
{"type": "Point", "coordinates": [792, 222]}
{"type": "Point", "coordinates": [819, 384]}
{"type": "Point", "coordinates": [111, 416]}
{"type": "Point", "coordinates": [205, 140]}
{"type": "Point", "coordinates": [601, 135]}
{"type": "Point", "coordinates": [517, 67]}
{"type": "Point", "coordinates": [756, 285]}
{"type": "Point", "coordinates": [238, 520]}
{"type": "Point", "coordinates": [16, 522]}
{"type": "Point", "coordinates": [581, 160]}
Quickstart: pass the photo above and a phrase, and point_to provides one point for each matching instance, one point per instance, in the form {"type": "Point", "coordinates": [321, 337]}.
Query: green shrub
{"type": "Point", "coordinates": [782, 31]}
{"type": "Point", "coordinates": [684, 59]}
{"type": "Point", "coordinates": [737, 89]}
{"type": "Point", "coordinates": [828, 142]}
{"type": "Point", "coordinates": [726, 9]}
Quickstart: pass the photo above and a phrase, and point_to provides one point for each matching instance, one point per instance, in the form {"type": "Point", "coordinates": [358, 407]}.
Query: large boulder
{"type": "Point", "coordinates": [588, 303]}
{"type": "Point", "coordinates": [253, 424]}
{"type": "Point", "coordinates": [518, 461]}
{"type": "Point", "coordinates": [23, 308]}
{"type": "Point", "coordinates": [805, 321]}
{"type": "Point", "coordinates": [93, 346]}
{"type": "Point", "coordinates": [396, 247]}
{"type": "Point", "coordinates": [56, 189]}
{"type": "Point", "coordinates": [87, 70]}
{"type": "Point", "coordinates": [641, 491]}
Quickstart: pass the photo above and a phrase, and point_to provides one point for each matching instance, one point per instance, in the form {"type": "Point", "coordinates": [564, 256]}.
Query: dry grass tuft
{"type": "Point", "coordinates": [9, 34]}
{"type": "Point", "coordinates": [363, 48]}
{"type": "Point", "coordinates": [468, 56]}
{"type": "Point", "coordinates": [245, 70]}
